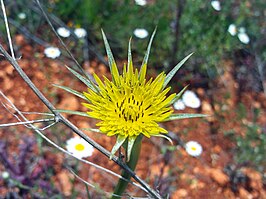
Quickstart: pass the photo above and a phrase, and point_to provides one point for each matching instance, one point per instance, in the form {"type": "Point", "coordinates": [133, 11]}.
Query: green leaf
{"type": "Point", "coordinates": [70, 90]}
{"type": "Point", "coordinates": [111, 60]}
{"type": "Point", "coordinates": [179, 116]}
{"type": "Point", "coordinates": [143, 68]}
{"type": "Point", "coordinates": [73, 112]}
{"type": "Point", "coordinates": [120, 140]}
{"type": "Point", "coordinates": [131, 141]}
{"type": "Point", "coordinates": [174, 70]}
{"type": "Point", "coordinates": [178, 96]}
{"type": "Point", "coordinates": [86, 81]}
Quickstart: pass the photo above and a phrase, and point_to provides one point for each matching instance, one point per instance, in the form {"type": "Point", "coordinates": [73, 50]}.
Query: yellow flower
{"type": "Point", "coordinates": [129, 105]}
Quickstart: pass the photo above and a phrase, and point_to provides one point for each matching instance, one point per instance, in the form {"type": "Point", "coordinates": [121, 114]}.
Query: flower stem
{"type": "Point", "coordinates": [122, 184]}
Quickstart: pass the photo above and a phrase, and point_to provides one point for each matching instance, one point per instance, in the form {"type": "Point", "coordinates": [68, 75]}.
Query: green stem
{"type": "Point", "coordinates": [88, 192]}
{"type": "Point", "coordinates": [122, 184]}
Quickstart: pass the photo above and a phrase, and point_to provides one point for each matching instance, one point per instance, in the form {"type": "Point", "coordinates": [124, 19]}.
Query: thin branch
{"type": "Point", "coordinates": [14, 114]}
{"type": "Point", "coordinates": [7, 30]}
{"type": "Point", "coordinates": [60, 118]}
{"type": "Point", "coordinates": [27, 122]}
{"type": "Point", "coordinates": [82, 180]}
{"type": "Point", "coordinates": [87, 183]}
{"type": "Point", "coordinates": [48, 126]}
{"type": "Point", "coordinates": [35, 113]}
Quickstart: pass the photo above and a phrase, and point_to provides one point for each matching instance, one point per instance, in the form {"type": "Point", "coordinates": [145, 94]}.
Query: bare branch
{"type": "Point", "coordinates": [7, 30]}
{"type": "Point", "coordinates": [89, 184]}
{"type": "Point", "coordinates": [27, 122]}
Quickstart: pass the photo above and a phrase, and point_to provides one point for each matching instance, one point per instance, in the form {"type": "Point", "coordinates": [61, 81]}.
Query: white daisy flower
{"type": "Point", "coordinates": [190, 99]}
{"type": "Point", "coordinates": [52, 52]}
{"type": "Point", "coordinates": [63, 32]}
{"type": "Point", "coordinates": [79, 147]}
{"type": "Point", "coordinates": [80, 32]}
{"type": "Point", "coordinates": [243, 37]}
{"type": "Point", "coordinates": [22, 15]}
{"type": "Point", "coordinates": [141, 33]}
{"type": "Point", "coordinates": [179, 105]}
{"type": "Point", "coordinates": [5, 175]}
{"type": "Point", "coordinates": [216, 5]}
{"type": "Point", "coordinates": [232, 29]}
{"type": "Point", "coordinates": [141, 2]}
{"type": "Point", "coordinates": [193, 148]}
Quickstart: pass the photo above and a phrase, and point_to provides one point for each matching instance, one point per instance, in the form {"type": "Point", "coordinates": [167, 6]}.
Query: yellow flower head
{"type": "Point", "coordinates": [129, 105]}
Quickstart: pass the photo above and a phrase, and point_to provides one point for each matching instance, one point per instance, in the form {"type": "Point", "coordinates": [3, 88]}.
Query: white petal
{"type": "Point", "coordinates": [63, 32]}
{"type": "Point", "coordinates": [242, 30]}
{"type": "Point", "coordinates": [141, 33]}
{"type": "Point", "coordinates": [52, 52]}
{"type": "Point", "coordinates": [190, 99]}
{"type": "Point", "coordinates": [5, 175]}
{"type": "Point", "coordinates": [141, 2]}
{"type": "Point", "coordinates": [179, 105]}
{"type": "Point", "coordinates": [80, 32]}
{"type": "Point", "coordinates": [22, 15]}
{"type": "Point", "coordinates": [232, 29]}
{"type": "Point", "coordinates": [216, 5]}
{"type": "Point", "coordinates": [243, 37]}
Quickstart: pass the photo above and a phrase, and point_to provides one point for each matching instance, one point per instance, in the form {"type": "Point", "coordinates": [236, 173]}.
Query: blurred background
{"type": "Point", "coordinates": [226, 73]}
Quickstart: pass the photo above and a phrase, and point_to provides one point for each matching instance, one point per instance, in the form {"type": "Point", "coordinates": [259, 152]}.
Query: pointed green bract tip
{"type": "Point", "coordinates": [171, 74]}
{"type": "Point", "coordinates": [111, 60]}
{"type": "Point", "coordinates": [143, 68]}
{"type": "Point", "coordinates": [119, 141]}
{"type": "Point", "coordinates": [131, 141]}
{"type": "Point", "coordinates": [129, 61]}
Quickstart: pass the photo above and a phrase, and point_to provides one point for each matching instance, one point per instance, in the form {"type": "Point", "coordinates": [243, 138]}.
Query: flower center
{"type": "Point", "coordinates": [79, 147]}
{"type": "Point", "coordinates": [130, 109]}
{"type": "Point", "coordinates": [193, 148]}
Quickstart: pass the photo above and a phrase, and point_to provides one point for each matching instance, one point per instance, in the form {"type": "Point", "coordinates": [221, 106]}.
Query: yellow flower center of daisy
{"type": "Point", "coordinates": [193, 148]}
{"type": "Point", "coordinates": [79, 147]}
